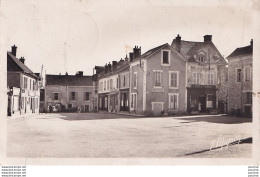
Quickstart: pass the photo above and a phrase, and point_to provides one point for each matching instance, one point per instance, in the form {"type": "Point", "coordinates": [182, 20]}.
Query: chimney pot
{"type": "Point", "coordinates": [22, 59]}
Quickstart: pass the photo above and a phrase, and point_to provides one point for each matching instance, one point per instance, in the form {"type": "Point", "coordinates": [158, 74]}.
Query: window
{"type": "Point", "coordinates": [55, 96]}
{"type": "Point", "coordinates": [105, 84]}
{"type": "Point", "coordinates": [173, 101]}
{"type": "Point", "coordinates": [111, 84]}
{"type": "Point", "coordinates": [135, 80]}
{"type": "Point", "coordinates": [201, 58]}
{"type": "Point", "coordinates": [73, 95]}
{"type": "Point", "coordinates": [158, 78]}
{"type": "Point", "coordinates": [238, 75]}
{"type": "Point", "coordinates": [25, 83]}
{"type": "Point", "coordinates": [117, 82]}
{"type": "Point", "coordinates": [209, 101]}
{"type": "Point", "coordinates": [124, 82]}
{"type": "Point", "coordinates": [248, 99]}
{"type": "Point", "coordinates": [174, 79]}
{"type": "Point", "coordinates": [106, 102]}
{"type": "Point", "coordinates": [247, 73]}
{"type": "Point", "coordinates": [210, 78]}
{"type": "Point", "coordinates": [86, 95]}
{"type": "Point", "coordinates": [165, 57]}
{"type": "Point", "coordinates": [196, 78]}
{"type": "Point", "coordinates": [22, 105]}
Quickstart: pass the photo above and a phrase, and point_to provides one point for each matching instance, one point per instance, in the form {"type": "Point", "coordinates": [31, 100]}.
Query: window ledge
{"type": "Point", "coordinates": [173, 87]}
{"type": "Point", "coordinates": [165, 64]}
{"type": "Point", "coordinates": [157, 89]}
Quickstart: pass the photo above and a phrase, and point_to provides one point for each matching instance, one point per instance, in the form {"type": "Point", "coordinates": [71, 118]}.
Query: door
{"type": "Point", "coordinates": [202, 103]}
{"type": "Point", "coordinates": [86, 108]}
{"type": "Point", "coordinates": [157, 108]}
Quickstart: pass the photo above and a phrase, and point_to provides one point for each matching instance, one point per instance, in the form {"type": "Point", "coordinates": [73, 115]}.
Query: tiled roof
{"type": "Point", "coordinates": [189, 48]}
{"type": "Point", "coordinates": [22, 66]}
{"type": "Point", "coordinates": [69, 80]}
{"type": "Point", "coordinates": [248, 50]}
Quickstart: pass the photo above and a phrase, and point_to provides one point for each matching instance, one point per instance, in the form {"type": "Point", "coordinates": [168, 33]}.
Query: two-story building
{"type": "Point", "coordinates": [69, 93]}
{"type": "Point", "coordinates": [23, 86]}
{"type": "Point", "coordinates": [113, 87]}
{"type": "Point", "coordinates": [240, 81]}
{"type": "Point", "coordinates": [205, 86]}
{"type": "Point", "coordinates": [158, 82]}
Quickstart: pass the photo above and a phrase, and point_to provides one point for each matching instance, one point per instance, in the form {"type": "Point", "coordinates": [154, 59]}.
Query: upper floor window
{"type": "Point", "coordinates": [117, 82]}
{"type": "Point", "coordinates": [105, 84]}
{"type": "Point", "coordinates": [124, 81]}
{"type": "Point", "coordinates": [55, 96]}
{"type": "Point", "coordinates": [239, 75]}
{"type": "Point", "coordinates": [201, 58]}
{"type": "Point", "coordinates": [72, 95]}
{"type": "Point", "coordinates": [165, 56]}
{"type": "Point", "coordinates": [210, 78]}
{"type": "Point", "coordinates": [247, 73]}
{"type": "Point", "coordinates": [196, 78]}
{"type": "Point", "coordinates": [86, 95]}
{"type": "Point", "coordinates": [135, 80]}
{"type": "Point", "coordinates": [111, 84]}
{"type": "Point", "coordinates": [25, 83]}
{"type": "Point", "coordinates": [158, 78]}
{"type": "Point", "coordinates": [173, 79]}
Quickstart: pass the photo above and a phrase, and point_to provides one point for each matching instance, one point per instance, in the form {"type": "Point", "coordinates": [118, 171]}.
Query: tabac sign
{"type": "Point", "coordinates": [203, 86]}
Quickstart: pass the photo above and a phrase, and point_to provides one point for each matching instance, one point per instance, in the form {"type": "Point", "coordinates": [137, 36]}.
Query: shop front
{"type": "Point", "coordinates": [201, 98]}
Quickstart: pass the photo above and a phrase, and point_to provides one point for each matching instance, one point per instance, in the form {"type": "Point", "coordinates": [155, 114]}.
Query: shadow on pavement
{"type": "Point", "coordinates": [219, 119]}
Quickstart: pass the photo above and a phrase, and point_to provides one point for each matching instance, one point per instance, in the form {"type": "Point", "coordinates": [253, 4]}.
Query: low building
{"type": "Point", "coordinates": [69, 93]}
{"type": "Point", "coordinates": [206, 84]}
{"type": "Point", "coordinates": [240, 81]}
{"type": "Point", "coordinates": [23, 86]}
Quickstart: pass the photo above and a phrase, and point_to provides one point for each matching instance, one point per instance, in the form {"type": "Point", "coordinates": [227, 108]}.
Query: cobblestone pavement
{"type": "Point", "coordinates": [110, 135]}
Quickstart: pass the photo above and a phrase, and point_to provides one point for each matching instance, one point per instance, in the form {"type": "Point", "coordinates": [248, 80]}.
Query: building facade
{"type": "Point", "coordinates": [240, 81]}
{"type": "Point", "coordinates": [205, 84]}
{"type": "Point", "coordinates": [69, 93]}
{"type": "Point", "coordinates": [113, 87]}
{"type": "Point", "coordinates": [23, 86]}
{"type": "Point", "coordinates": [158, 82]}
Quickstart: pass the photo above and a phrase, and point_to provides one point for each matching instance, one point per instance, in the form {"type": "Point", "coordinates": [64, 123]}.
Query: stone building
{"type": "Point", "coordinates": [157, 82]}
{"type": "Point", "coordinates": [69, 93]}
{"type": "Point", "coordinates": [113, 86]}
{"type": "Point", "coordinates": [205, 84]}
{"type": "Point", "coordinates": [240, 81]}
{"type": "Point", "coordinates": [23, 86]}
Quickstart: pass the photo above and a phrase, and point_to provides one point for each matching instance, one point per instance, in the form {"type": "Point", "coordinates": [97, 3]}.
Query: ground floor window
{"type": "Point", "coordinates": [173, 101]}
{"type": "Point", "coordinates": [22, 103]}
{"type": "Point", "coordinates": [248, 97]}
{"type": "Point", "coordinates": [106, 101]}
{"type": "Point", "coordinates": [133, 100]}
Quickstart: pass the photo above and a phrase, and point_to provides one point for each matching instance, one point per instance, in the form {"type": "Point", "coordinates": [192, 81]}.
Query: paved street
{"type": "Point", "coordinates": [109, 135]}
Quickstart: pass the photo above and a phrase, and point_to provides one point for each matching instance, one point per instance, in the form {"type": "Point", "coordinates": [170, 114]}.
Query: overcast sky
{"type": "Point", "coordinates": [74, 35]}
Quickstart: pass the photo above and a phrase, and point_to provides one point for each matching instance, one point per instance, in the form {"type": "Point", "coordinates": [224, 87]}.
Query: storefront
{"type": "Point", "coordinates": [124, 100]}
{"type": "Point", "coordinates": [103, 102]}
{"type": "Point", "coordinates": [201, 98]}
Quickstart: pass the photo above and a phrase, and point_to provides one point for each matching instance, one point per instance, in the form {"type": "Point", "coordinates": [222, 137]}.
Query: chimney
{"type": "Point", "coordinates": [14, 49]}
{"type": "Point", "coordinates": [137, 52]}
{"type": "Point", "coordinates": [79, 73]}
{"type": "Point", "coordinates": [178, 43]}
{"type": "Point", "coordinates": [126, 58]}
{"type": "Point", "coordinates": [207, 38]}
{"type": "Point", "coordinates": [131, 56]}
{"type": "Point", "coordinates": [114, 65]}
{"type": "Point", "coordinates": [251, 43]}
{"type": "Point", "coordinates": [22, 60]}
{"type": "Point", "coordinates": [106, 68]}
{"type": "Point", "coordinates": [109, 67]}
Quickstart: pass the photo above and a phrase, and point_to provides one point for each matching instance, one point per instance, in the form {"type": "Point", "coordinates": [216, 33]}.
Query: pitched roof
{"type": "Point", "coordinates": [247, 50]}
{"type": "Point", "coordinates": [189, 48]}
{"type": "Point", "coordinates": [20, 65]}
{"type": "Point", "coordinates": [69, 80]}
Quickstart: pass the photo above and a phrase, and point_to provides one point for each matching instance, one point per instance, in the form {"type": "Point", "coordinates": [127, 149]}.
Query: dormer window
{"type": "Point", "coordinates": [201, 59]}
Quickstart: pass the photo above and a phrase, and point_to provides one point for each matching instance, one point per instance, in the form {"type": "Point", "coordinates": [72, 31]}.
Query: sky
{"type": "Point", "coordinates": [76, 35]}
